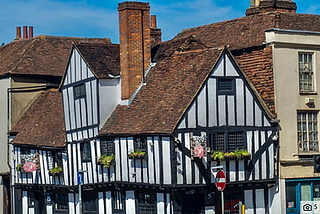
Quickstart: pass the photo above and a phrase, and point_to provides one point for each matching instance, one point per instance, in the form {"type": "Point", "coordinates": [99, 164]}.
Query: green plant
{"type": "Point", "coordinates": [238, 154]}
{"type": "Point", "coordinates": [19, 167]}
{"type": "Point", "coordinates": [242, 153]}
{"type": "Point", "coordinates": [56, 170]}
{"type": "Point", "coordinates": [105, 160]}
{"type": "Point", "coordinates": [136, 154]}
{"type": "Point", "coordinates": [217, 155]}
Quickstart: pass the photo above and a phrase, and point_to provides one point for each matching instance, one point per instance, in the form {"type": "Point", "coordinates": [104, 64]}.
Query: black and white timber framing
{"type": "Point", "coordinates": [226, 103]}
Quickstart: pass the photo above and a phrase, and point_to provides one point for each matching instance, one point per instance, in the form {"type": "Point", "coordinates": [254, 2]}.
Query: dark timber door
{"type": "Point", "coordinates": [193, 204]}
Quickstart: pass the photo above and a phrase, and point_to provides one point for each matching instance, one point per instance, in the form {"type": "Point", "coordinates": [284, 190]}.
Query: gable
{"type": "Point", "coordinates": [77, 69]}
{"type": "Point", "coordinates": [225, 99]}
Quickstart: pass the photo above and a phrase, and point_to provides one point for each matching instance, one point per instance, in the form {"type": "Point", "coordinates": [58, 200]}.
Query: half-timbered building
{"type": "Point", "coordinates": [148, 135]}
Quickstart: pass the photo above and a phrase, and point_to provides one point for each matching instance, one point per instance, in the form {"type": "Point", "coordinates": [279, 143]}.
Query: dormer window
{"type": "Point", "coordinates": [79, 91]}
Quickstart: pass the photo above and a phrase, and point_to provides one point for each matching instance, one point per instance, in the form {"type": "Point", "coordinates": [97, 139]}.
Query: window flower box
{"type": "Point", "coordinates": [106, 160]}
{"type": "Point", "coordinates": [56, 171]}
{"type": "Point", "coordinates": [241, 154]}
{"type": "Point", "coordinates": [137, 154]}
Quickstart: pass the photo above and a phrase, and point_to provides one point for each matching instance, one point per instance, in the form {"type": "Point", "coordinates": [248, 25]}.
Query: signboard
{"type": "Point", "coordinates": [198, 145]}
{"type": "Point", "coordinates": [310, 207]}
{"type": "Point", "coordinates": [220, 181]}
{"type": "Point", "coordinates": [80, 177]}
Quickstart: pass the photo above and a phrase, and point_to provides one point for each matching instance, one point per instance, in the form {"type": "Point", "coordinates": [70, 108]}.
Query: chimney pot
{"type": "Point", "coordinates": [25, 32]}
{"type": "Point", "coordinates": [18, 33]}
{"type": "Point", "coordinates": [30, 31]}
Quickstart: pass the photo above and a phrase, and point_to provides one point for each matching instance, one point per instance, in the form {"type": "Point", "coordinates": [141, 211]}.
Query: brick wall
{"type": "Point", "coordinates": [135, 50]}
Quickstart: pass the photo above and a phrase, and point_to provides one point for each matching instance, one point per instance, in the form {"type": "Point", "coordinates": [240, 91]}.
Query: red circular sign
{"type": "Point", "coordinates": [220, 180]}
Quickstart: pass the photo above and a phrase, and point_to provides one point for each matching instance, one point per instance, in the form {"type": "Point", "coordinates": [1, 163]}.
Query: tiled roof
{"type": "Point", "coordinates": [170, 87]}
{"type": "Point", "coordinates": [103, 59]}
{"type": "Point", "coordinates": [43, 122]}
{"type": "Point", "coordinates": [41, 55]}
{"type": "Point", "coordinates": [257, 65]}
{"type": "Point", "coordinates": [249, 31]}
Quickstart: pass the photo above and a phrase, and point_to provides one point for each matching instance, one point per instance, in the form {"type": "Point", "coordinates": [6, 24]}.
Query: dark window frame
{"type": "Point", "coordinates": [85, 150]}
{"type": "Point", "coordinates": [225, 86]}
{"type": "Point", "coordinates": [220, 141]}
{"type": "Point", "coordinates": [107, 147]}
{"type": "Point", "coordinates": [140, 143]}
{"type": "Point", "coordinates": [79, 91]}
{"type": "Point", "coordinates": [61, 205]}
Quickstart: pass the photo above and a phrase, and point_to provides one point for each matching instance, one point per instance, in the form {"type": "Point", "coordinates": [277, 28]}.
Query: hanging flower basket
{"type": "Point", "coordinates": [106, 160]}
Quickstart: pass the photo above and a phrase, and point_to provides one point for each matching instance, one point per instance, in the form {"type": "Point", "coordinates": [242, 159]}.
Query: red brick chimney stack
{"type": "Point", "coordinates": [25, 32]}
{"type": "Point", "coordinates": [135, 47]}
{"type": "Point", "coordinates": [154, 31]}
{"type": "Point", "coordinates": [18, 33]}
{"type": "Point", "coordinates": [263, 6]}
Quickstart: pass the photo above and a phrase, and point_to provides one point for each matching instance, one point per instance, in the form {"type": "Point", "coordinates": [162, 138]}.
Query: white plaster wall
{"type": "Point", "coordinates": [109, 98]}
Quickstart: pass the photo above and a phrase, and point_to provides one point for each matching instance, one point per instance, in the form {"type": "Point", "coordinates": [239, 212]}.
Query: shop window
{"type": "Point", "coordinates": [305, 72]}
{"type": "Point", "coordinates": [147, 203]}
{"type": "Point", "coordinates": [308, 131]}
{"type": "Point", "coordinates": [85, 149]}
{"type": "Point", "coordinates": [61, 202]}
{"type": "Point", "coordinates": [118, 201]}
{"type": "Point", "coordinates": [305, 190]}
{"type": "Point", "coordinates": [226, 141]}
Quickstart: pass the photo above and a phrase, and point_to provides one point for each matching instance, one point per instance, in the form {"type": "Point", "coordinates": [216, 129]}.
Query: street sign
{"type": "Point", "coordinates": [80, 177]}
{"type": "Point", "coordinates": [220, 180]}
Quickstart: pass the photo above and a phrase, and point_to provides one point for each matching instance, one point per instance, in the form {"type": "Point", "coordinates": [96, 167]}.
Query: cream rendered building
{"type": "Point", "coordinates": [296, 61]}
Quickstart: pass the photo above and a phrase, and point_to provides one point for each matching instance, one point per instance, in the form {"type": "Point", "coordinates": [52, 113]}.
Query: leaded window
{"type": "Point", "coordinates": [308, 131]}
{"type": "Point", "coordinates": [107, 147]}
{"type": "Point", "coordinates": [79, 91]}
{"type": "Point", "coordinates": [226, 141]}
{"type": "Point", "coordinates": [85, 151]}
{"type": "Point", "coordinates": [305, 72]}
{"type": "Point", "coordinates": [140, 143]}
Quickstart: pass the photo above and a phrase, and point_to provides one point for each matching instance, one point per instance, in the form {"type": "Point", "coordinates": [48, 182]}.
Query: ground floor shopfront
{"type": "Point", "coordinates": [258, 199]}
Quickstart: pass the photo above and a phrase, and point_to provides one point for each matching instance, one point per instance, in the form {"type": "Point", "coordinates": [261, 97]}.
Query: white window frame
{"type": "Point", "coordinates": [306, 72]}
{"type": "Point", "coordinates": [307, 131]}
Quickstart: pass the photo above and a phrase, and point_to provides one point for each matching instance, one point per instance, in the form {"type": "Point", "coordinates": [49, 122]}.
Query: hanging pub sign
{"type": "Point", "coordinates": [29, 162]}
{"type": "Point", "coordinates": [198, 145]}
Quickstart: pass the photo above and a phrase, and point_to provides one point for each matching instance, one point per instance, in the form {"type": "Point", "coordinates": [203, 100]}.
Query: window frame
{"type": "Point", "coordinates": [304, 81]}
{"type": "Point", "coordinates": [142, 146]}
{"type": "Point", "coordinates": [86, 156]}
{"type": "Point", "coordinates": [304, 135]}
{"type": "Point", "coordinates": [81, 93]}
{"type": "Point", "coordinates": [107, 147]}
{"type": "Point", "coordinates": [59, 206]}
{"type": "Point", "coordinates": [227, 91]}
{"type": "Point", "coordinates": [225, 137]}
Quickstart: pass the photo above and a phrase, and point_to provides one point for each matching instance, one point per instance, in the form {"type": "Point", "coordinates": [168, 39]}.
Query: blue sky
{"type": "Point", "coordinates": [99, 18]}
